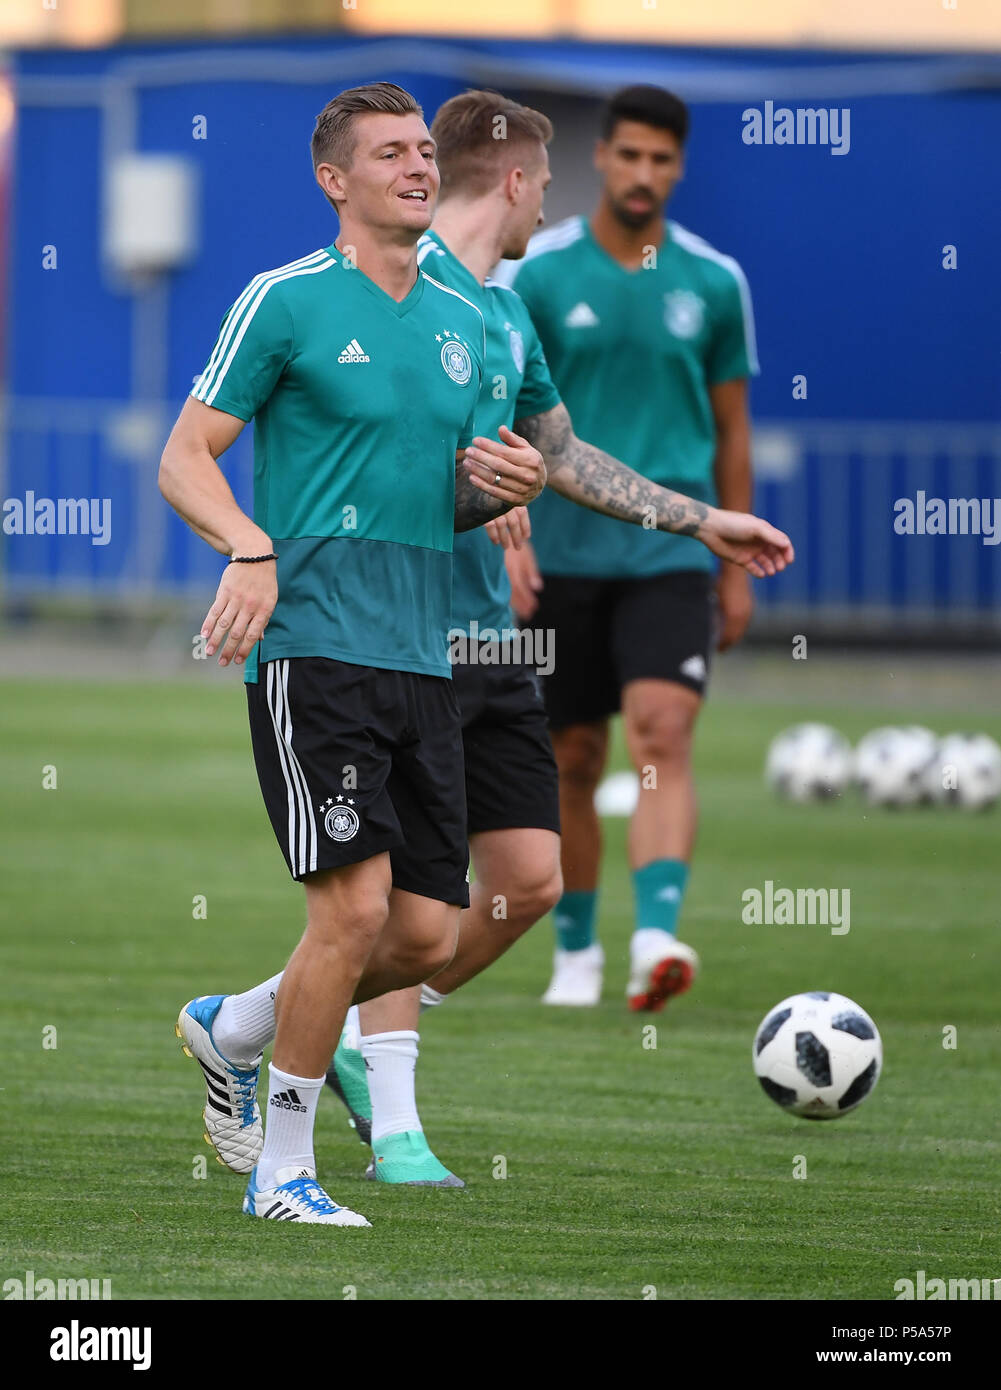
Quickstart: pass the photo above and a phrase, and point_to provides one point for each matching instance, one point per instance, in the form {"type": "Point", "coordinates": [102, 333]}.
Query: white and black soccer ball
{"type": "Point", "coordinates": [809, 762]}
{"type": "Point", "coordinates": [817, 1055]}
{"type": "Point", "coordinates": [891, 765]}
{"type": "Point", "coordinates": [965, 772]}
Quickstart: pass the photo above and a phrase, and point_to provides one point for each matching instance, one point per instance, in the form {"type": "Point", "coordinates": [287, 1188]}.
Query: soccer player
{"type": "Point", "coordinates": [491, 200]}
{"type": "Point", "coordinates": [648, 334]}
{"type": "Point", "coordinates": [362, 375]}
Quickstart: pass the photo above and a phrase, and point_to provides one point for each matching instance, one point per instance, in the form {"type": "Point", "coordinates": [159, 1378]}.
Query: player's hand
{"type": "Point", "coordinates": [511, 529]}
{"type": "Point", "coordinates": [509, 469]}
{"type": "Point", "coordinates": [244, 602]}
{"type": "Point", "coordinates": [746, 540]}
{"type": "Point", "coordinates": [736, 604]}
{"type": "Point", "coordinates": [526, 581]}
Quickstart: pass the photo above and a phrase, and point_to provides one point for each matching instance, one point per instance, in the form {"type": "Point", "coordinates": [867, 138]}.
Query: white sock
{"type": "Point", "coordinates": [245, 1023]}
{"type": "Point", "coordinates": [390, 1061]}
{"type": "Point", "coordinates": [430, 997]}
{"type": "Point", "coordinates": [288, 1132]}
{"type": "Point", "coordinates": [351, 1032]}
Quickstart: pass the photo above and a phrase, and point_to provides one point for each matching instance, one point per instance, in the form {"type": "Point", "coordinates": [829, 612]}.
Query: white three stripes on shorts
{"type": "Point", "coordinates": [301, 822]}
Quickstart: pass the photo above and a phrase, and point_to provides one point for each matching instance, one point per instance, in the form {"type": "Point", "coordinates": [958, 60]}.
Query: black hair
{"type": "Point", "coordinates": [649, 105]}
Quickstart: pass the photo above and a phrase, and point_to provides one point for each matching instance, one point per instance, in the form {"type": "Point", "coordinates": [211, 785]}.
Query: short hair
{"type": "Point", "coordinates": [651, 106]}
{"type": "Point", "coordinates": [334, 140]}
{"type": "Point", "coordinates": [474, 131]}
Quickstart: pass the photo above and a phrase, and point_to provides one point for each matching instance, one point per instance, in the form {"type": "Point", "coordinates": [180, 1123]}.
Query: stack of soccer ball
{"type": "Point", "coordinates": [890, 767]}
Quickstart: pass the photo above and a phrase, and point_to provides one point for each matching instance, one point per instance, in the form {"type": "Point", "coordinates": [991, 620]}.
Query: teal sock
{"type": "Point", "coordinates": [573, 918]}
{"type": "Point", "coordinates": [659, 889]}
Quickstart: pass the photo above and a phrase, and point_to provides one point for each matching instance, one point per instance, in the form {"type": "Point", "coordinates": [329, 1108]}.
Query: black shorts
{"type": "Point", "coordinates": [355, 760]}
{"type": "Point", "coordinates": [608, 632]}
{"type": "Point", "coordinates": [511, 777]}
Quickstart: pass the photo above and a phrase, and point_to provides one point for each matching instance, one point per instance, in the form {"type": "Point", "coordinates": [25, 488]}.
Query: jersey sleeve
{"type": "Point", "coordinates": [251, 352]}
{"type": "Point", "coordinates": [538, 392]}
{"type": "Point", "coordinates": [732, 351]}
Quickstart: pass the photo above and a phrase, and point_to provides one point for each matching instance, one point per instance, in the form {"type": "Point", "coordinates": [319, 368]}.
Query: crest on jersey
{"type": "Point", "coordinates": [684, 313]}
{"type": "Point", "coordinates": [341, 820]}
{"type": "Point", "coordinates": [517, 348]}
{"type": "Point", "coordinates": [456, 361]}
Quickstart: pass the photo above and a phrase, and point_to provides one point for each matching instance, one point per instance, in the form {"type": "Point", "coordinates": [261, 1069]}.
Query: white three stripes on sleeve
{"type": "Point", "coordinates": [238, 320]}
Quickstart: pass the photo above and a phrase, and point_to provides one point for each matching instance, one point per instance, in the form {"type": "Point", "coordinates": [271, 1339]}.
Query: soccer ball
{"type": "Point", "coordinates": [809, 762]}
{"type": "Point", "coordinates": [965, 772]}
{"type": "Point", "coordinates": [817, 1055]}
{"type": "Point", "coordinates": [891, 765]}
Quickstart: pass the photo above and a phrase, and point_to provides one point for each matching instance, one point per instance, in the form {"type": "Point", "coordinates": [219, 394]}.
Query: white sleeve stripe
{"type": "Point", "coordinates": [698, 247]}
{"type": "Point", "coordinates": [242, 299]}
{"type": "Point", "coordinates": [209, 395]}
{"type": "Point", "coordinates": [319, 258]}
{"type": "Point", "coordinates": [555, 238]}
{"type": "Point", "coordinates": [424, 249]}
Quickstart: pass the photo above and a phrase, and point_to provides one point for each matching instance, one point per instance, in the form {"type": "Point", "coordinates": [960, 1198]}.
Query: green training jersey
{"type": "Point", "coordinates": [634, 354]}
{"type": "Point", "coordinates": [359, 405]}
{"type": "Point", "coordinates": [516, 383]}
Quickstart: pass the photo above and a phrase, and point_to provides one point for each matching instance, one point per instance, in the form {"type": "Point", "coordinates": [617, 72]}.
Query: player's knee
{"type": "Point", "coordinates": [529, 898]}
{"type": "Point", "coordinates": [544, 894]}
{"type": "Point", "coordinates": [352, 918]}
{"type": "Point", "coordinates": [663, 736]}
{"type": "Point", "coordinates": [580, 754]}
{"type": "Point", "coordinates": [421, 954]}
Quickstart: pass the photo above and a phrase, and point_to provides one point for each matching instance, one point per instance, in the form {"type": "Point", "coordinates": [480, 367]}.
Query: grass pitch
{"type": "Point", "coordinates": [628, 1167]}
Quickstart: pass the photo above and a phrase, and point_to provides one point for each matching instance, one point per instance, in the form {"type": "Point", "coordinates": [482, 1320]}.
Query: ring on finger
{"type": "Point", "coordinates": [497, 478]}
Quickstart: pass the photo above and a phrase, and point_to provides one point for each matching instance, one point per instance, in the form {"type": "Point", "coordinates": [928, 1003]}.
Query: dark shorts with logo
{"type": "Point", "coordinates": [511, 778]}
{"type": "Point", "coordinates": [608, 632]}
{"type": "Point", "coordinates": [354, 761]}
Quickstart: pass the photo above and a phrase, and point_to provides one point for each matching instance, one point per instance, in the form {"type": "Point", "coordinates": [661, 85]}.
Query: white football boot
{"type": "Point", "coordinates": [577, 977]}
{"type": "Point", "coordinates": [232, 1116]}
{"type": "Point", "coordinates": [660, 968]}
{"type": "Point", "coordinates": [297, 1196]}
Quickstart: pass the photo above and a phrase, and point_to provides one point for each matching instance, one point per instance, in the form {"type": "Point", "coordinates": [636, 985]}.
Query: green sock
{"type": "Point", "coordinates": [573, 918]}
{"type": "Point", "coordinates": [659, 889]}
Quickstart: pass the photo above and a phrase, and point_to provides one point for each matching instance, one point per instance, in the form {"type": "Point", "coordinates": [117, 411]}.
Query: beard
{"type": "Point", "coordinates": [630, 218]}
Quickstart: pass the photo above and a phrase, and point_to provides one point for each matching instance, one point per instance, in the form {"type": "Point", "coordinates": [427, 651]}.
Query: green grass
{"type": "Point", "coordinates": [626, 1167]}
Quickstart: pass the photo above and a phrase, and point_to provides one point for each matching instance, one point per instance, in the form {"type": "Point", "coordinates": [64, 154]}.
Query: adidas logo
{"type": "Point", "coordinates": [287, 1100]}
{"type": "Point", "coordinates": [668, 894]}
{"type": "Point", "coordinates": [354, 352]}
{"type": "Point", "coordinates": [581, 316]}
{"type": "Point", "coordinates": [694, 668]}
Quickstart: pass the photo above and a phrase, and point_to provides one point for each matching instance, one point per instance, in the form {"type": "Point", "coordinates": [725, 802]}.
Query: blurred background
{"type": "Point", "coordinates": [154, 158]}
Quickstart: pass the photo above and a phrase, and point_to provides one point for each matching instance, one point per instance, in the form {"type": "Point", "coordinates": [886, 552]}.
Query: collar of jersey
{"type": "Point", "coordinates": [598, 250]}
{"type": "Point", "coordinates": [397, 307]}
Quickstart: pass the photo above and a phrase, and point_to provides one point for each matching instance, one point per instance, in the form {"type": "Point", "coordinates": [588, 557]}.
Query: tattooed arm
{"type": "Point", "coordinates": [473, 507]}
{"type": "Point", "coordinates": [589, 476]}
{"type": "Point", "coordinates": [595, 479]}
